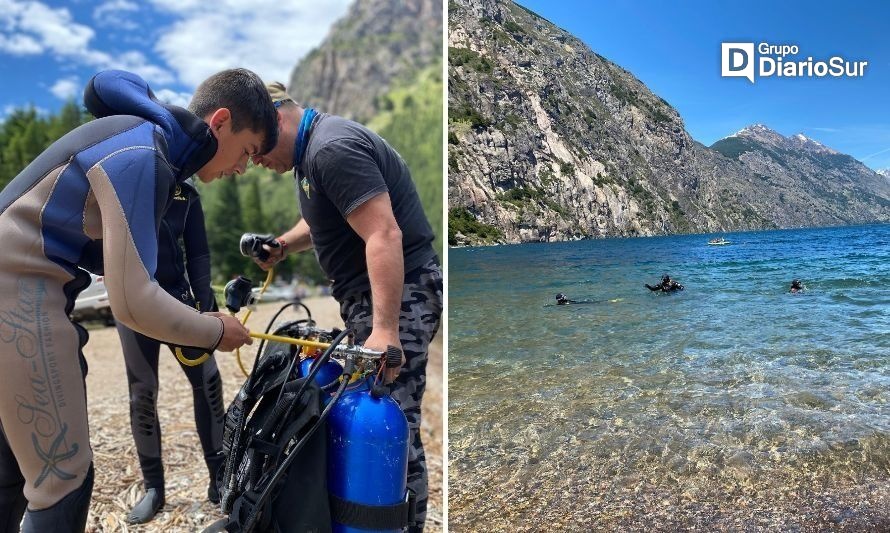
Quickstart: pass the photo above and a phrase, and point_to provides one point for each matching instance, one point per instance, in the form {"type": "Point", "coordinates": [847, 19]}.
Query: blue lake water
{"type": "Point", "coordinates": [731, 388]}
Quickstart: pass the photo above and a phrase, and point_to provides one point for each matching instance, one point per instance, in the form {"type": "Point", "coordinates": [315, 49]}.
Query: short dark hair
{"type": "Point", "coordinates": [243, 93]}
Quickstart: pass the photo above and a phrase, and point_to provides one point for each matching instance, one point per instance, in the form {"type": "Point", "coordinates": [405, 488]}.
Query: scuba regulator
{"type": "Point", "coordinates": [251, 245]}
{"type": "Point", "coordinates": [239, 293]}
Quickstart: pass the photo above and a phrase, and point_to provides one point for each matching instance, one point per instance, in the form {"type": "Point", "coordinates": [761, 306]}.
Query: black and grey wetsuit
{"type": "Point", "coordinates": [94, 199]}
{"type": "Point", "coordinates": [670, 286]}
{"type": "Point", "coordinates": [188, 279]}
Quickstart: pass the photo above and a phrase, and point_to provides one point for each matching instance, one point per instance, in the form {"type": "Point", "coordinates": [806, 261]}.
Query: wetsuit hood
{"type": "Point", "coordinates": [190, 143]}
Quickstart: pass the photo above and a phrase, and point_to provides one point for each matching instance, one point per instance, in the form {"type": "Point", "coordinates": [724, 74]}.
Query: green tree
{"type": "Point", "coordinates": [252, 212]}
{"type": "Point", "coordinates": [224, 230]}
{"type": "Point", "coordinates": [25, 134]}
{"type": "Point", "coordinates": [68, 118]}
{"type": "Point", "coordinates": [414, 129]}
{"type": "Point", "coordinates": [24, 137]}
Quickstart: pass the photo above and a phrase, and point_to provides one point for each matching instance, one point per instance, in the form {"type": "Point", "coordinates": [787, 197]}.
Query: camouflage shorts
{"type": "Point", "coordinates": [418, 323]}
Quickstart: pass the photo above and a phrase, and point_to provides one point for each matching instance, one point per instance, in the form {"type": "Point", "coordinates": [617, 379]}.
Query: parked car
{"type": "Point", "coordinates": [92, 303]}
{"type": "Point", "coordinates": [277, 291]}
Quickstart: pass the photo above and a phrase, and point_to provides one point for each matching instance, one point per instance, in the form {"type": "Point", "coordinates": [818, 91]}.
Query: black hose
{"type": "Point", "coordinates": [260, 502]}
{"type": "Point", "coordinates": [321, 360]}
{"type": "Point", "coordinates": [269, 327]}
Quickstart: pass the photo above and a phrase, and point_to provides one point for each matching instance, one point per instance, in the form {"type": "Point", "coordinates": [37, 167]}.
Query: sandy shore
{"type": "Point", "coordinates": [118, 479]}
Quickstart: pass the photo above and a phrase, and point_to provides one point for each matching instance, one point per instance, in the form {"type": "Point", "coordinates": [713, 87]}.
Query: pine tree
{"type": "Point", "coordinates": [253, 207]}
{"type": "Point", "coordinates": [25, 135]}
{"type": "Point", "coordinates": [68, 118]}
{"type": "Point", "coordinates": [224, 230]}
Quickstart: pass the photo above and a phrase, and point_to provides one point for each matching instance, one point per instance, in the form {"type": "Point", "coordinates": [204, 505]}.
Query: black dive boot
{"type": "Point", "coordinates": [68, 515]}
{"type": "Point", "coordinates": [215, 464]}
{"type": "Point", "coordinates": [147, 507]}
{"type": "Point", "coordinates": [12, 508]}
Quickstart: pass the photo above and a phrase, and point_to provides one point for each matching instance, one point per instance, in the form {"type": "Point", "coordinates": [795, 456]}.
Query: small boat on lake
{"type": "Point", "coordinates": [718, 242]}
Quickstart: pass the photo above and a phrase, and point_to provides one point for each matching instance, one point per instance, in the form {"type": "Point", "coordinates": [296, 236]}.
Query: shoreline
{"type": "Point", "coordinates": [715, 232]}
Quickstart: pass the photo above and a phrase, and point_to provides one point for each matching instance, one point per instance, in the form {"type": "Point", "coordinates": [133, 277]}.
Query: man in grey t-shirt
{"type": "Point", "coordinates": [361, 213]}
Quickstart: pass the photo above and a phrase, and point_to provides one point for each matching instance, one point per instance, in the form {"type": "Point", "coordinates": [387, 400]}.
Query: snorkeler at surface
{"type": "Point", "coordinates": [666, 285]}
{"type": "Point", "coordinates": [796, 286]}
{"type": "Point", "coordinates": [562, 299]}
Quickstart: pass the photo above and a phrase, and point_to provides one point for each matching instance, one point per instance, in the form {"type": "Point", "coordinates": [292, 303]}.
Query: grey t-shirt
{"type": "Point", "coordinates": [344, 166]}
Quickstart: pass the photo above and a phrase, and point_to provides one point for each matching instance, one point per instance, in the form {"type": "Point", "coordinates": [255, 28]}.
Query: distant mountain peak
{"type": "Point", "coordinates": [802, 141]}
{"type": "Point", "coordinates": [761, 133]}
{"type": "Point", "coordinates": [884, 172]}
{"type": "Point", "coordinates": [766, 135]}
{"type": "Point", "coordinates": [377, 44]}
{"type": "Point", "coordinates": [752, 129]}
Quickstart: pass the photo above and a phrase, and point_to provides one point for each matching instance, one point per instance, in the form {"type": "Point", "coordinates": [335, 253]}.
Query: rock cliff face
{"type": "Point", "coordinates": [377, 43]}
{"type": "Point", "coordinates": [550, 141]}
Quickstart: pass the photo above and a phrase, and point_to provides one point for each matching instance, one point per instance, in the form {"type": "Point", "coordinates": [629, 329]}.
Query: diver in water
{"type": "Point", "coordinates": [796, 286]}
{"type": "Point", "coordinates": [562, 299]}
{"type": "Point", "coordinates": [666, 285]}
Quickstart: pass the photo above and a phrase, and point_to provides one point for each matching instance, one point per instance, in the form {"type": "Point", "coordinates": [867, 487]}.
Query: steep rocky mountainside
{"type": "Point", "coordinates": [837, 186]}
{"type": "Point", "coordinates": [378, 43]}
{"type": "Point", "coordinates": [550, 141]}
{"type": "Point", "coordinates": [381, 64]}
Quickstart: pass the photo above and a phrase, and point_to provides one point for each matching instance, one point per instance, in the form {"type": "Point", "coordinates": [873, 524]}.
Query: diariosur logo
{"type": "Point", "coordinates": [780, 60]}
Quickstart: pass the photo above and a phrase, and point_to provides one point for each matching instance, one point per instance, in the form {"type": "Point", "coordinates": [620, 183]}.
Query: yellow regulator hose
{"type": "Point", "coordinates": [247, 315]}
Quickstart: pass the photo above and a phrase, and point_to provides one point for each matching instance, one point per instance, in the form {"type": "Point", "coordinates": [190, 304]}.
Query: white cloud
{"type": "Point", "coordinates": [54, 28]}
{"type": "Point", "coordinates": [114, 6]}
{"type": "Point", "coordinates": [32, 27]}
{"type": "Point", "coordinates": [66, 88]}
{"type": "Point", "coordinates": [20, 45]}
{"type": "Point", "coordinates": [266, 36]}
{"type": "Point", "coordinates": [114, 13]}
{"type": "Point", "coordinates": [172, 97]}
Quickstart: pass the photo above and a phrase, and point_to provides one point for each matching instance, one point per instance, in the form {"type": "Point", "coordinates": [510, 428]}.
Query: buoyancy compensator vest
{"type": "Point", "coordinates": [311, 451]}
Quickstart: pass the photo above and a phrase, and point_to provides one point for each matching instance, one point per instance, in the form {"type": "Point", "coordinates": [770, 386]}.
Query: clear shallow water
{"type": "Point", "coordinates": [733, 386]}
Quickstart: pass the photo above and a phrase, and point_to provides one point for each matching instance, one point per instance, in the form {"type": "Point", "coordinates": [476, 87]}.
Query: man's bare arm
{"type": "Point", "coordinates": [375, 223]}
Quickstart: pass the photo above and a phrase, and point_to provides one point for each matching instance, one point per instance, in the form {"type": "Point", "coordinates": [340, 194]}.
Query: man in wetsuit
{"type": "Point", "coordinates": [362, 215]}
{"type": "Point", "coordinates": [666, 285]}
{"type": "Point", "coordinates": [186, 277]}
{"type": "Point", "coordinates": [94, 199]}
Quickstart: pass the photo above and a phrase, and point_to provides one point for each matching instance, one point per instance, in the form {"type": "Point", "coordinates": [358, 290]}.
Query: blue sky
{"type": "Point", "coordinates": [674, 48]}
{"type": "Point", "coordinates": [49, 49]}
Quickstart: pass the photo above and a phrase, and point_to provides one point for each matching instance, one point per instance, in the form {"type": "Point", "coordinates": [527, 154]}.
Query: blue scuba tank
{"type": "Point", "coordinates": [367, 451]}
{"type": "Point", "coordinates": [327, 374]}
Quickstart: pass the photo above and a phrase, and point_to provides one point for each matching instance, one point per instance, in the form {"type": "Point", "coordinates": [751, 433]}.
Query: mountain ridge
{"type": "Point", "coordinates": [377, 45]}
